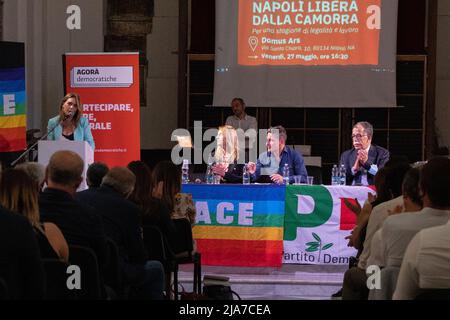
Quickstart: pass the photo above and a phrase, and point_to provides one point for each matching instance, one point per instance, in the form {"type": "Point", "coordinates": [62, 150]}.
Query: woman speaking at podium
{"type": "Point", "coordinates": [70, 124]}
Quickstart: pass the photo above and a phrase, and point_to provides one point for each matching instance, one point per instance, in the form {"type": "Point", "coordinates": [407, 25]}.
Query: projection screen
{"type": "Point", "coordinates": [310, 53]}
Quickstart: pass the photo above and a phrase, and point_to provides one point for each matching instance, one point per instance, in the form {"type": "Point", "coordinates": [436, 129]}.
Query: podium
{"type": "Point", "coordinates": [47, 148]}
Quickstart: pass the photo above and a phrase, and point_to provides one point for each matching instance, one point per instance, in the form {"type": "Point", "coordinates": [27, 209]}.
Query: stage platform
{"type": "Point", "coordinates": [290, 282]}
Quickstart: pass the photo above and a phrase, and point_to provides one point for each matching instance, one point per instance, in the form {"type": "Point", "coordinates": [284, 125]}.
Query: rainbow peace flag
{"type": "Point", "coordinates": [239, 225]}
{"type": "Point", "coordinates": [13, 119]}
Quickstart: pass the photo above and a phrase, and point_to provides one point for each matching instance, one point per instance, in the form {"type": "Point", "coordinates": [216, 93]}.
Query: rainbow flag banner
{"type": "Point", "coordinates": [239, 225]}
{"type": "Point", "coordinates": [12, 110]}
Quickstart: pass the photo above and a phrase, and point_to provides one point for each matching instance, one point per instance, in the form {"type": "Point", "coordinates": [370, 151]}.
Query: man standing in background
{"type": "Point", "coordinates": [241, 120]}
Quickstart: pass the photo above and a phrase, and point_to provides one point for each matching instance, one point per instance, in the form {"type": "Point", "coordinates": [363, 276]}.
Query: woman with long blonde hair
{"type": "Point", "coordinates": [19, 193]}
{"type": "Point", "coordinates": [226, 155]}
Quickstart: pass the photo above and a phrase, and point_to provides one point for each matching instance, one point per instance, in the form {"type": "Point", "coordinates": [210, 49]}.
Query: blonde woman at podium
{"type": "Point", "coordinates": [70, 123]}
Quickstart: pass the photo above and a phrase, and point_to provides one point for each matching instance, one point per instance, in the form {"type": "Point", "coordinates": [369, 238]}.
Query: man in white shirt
{"type": "Point", "coordinates": [364, 159]}
{"type": "Point", "coordinates": [398, 230]}
{"type": "Point", "coordinates": [426, 261]}
{"type": "Point", "coordinates": [410, 201]}
{"type": "Point", "coordinates": [242, 121]}
{"type": "Point", "coordinates": [239, 119]}
{"type": "Point", "coordinates": [426, 264]}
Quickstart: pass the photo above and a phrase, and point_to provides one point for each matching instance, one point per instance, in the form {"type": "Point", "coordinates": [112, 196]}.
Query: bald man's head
{"type": "Point", "coordinates": [65, 168]}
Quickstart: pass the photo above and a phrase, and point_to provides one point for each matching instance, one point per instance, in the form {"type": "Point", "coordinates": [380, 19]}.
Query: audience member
{"type": "Point", "coordinates": [166, 185]}
{"type": "Point", "coordinates": [412, 202]}
{"type": "Point", "coordinates": [154, 211]}
{"type": "Point", "coordinates": [166, 181]}
{"type": "Point", "coordinates": [95, 173]}
{"type": "Point", "coordinates": [78, 222]}
{"type": "Point", "coordinates": [142, 188]}
{"type": "Point", "coordinates": [35, 171]}
{"type": "Point", "coordinates": [20, 261]}
{"type": "Point", "coordinates": [355, 278]}
{"type": "Point", "coordinates": [122, 225]}
{"type": "Point", "coordinates": [426, 262]}
{"type": "Point", "coordinates": [398, 230]}
{"type": "Point", "coordinates": [18, 193]}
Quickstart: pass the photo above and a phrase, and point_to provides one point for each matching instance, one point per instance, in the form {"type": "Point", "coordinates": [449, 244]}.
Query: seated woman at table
{"type": "Point", "coordinates": [226, 156]}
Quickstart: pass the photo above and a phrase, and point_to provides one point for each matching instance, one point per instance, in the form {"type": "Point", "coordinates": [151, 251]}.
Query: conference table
{"type": "Point", "coordinates": [267, 225]}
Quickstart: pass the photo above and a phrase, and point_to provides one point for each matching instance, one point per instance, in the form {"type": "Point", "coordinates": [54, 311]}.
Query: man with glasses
{"type": "Point", "coordinates": [364, 159]}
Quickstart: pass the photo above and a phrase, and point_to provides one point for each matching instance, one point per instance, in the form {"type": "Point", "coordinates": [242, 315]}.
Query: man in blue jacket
{"type": "Point", "coordinates": [272, 162]}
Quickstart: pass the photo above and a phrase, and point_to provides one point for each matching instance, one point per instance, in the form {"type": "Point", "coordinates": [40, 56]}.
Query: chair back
{"type": "Point", "coordinates": [434, 294]}
{"type": "Point", "coordinates": [388, 277]}
{"type": "Point", "coordinates": [157, 246]}
{"type": "Point", "coordinates": [183, 246]}
{"type": "Point", "coordinates": [56, 280]}
{"type": "Point", "coordinates": [86, 260]}
{"type": "Point", "coordinates": [183, 241]}
{"type": "Point", "coordinates": [112, 275]}
{"type": "Point", "coordinates": [158, 249]}
{"type": "Point", "coordinates": [3, 290]}
{"type": "Point", "coordinates": [9, 272]}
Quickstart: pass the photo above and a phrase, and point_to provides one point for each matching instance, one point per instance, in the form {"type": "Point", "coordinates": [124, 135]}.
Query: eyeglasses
{"type": "Point", "coordinates": [358, 136]}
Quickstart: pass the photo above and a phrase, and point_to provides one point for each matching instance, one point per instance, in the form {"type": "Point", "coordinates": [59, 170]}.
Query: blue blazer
{"type": "Point", "coordinates": [82, 131]}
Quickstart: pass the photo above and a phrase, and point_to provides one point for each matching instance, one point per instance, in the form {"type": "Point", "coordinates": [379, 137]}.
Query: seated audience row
{"type": "Point", "coordinates": [402, 240]}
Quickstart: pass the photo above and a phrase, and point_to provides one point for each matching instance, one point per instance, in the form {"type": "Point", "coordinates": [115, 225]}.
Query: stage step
{"type": "Point", "coordinates": [291, 282]}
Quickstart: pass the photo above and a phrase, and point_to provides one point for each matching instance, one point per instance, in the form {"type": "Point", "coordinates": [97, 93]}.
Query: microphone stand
{"type": "Point", "coordinates": [35, 144]}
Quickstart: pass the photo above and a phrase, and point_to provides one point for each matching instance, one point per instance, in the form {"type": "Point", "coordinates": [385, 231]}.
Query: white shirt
{"type": "Point", "coordinates": [373, 171]}
{"type": "Point", "coordinates": [376, 254]}
{"type": "Point", "coordinates": [376, 219]}
{"type": "Point", "coordinates": [248, 122]}
{"type": "Point", "coordinates": [426, 264]}
{"type": "Point", "coordinates": [398, 230]}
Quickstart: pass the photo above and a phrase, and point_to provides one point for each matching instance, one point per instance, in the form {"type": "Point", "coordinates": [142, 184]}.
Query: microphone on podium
{"type": "Point", "coordinates": [66, 117]}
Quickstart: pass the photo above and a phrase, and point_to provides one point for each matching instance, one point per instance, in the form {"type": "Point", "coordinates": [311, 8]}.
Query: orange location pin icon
{"type": "Point", "coordinates": [253, 42]}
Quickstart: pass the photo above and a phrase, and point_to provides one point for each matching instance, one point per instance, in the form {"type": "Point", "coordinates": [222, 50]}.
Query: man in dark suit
{"type": "Point", "coordinates": [20, 260]}
{"type": "Point", "coordinates": [121, 220]}
{"type": "Point", "coordinates": [78, 222]}
{"type": "Point", "coordinates": [364, 159]}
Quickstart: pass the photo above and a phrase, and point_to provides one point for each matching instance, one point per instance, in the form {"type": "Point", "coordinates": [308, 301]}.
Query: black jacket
{"type": "Point", "coordinates": [20, 261]}
{"type": "Point", "coordinates": [121, 222]}
{"type": "Point", "coordinates": [78, 222]}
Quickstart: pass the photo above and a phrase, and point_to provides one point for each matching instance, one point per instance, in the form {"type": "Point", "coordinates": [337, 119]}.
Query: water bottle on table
{"type": "Point", "coordinates": [185, 171]}
{"type": "Point", "coordinates": [209, 174]}
{"type": "Point", "coordinates": [245, 175]}
{"type": "Point", "coordinates": [286, 174]}
{"type": "Point", "coordinates": [342, 175]}
{"type": "Point", "coordinates": [335, 175]}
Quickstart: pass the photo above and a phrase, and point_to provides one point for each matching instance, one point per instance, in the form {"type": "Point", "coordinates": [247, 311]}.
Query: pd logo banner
{"type": "Point", "coordinates": [317, 220]}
